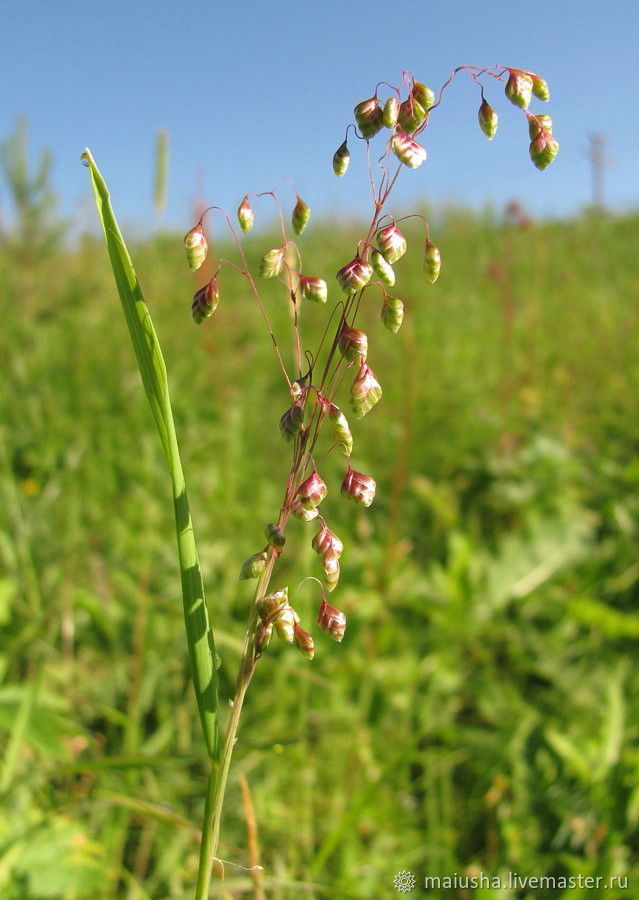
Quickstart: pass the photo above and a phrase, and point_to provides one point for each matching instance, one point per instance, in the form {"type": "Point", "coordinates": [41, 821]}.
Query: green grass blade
{"type": "Point", "coordinates": [153, 372]}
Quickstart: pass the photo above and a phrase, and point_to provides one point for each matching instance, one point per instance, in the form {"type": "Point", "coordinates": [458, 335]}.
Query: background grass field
{"type": "Point", "coordinates": [481, 713]}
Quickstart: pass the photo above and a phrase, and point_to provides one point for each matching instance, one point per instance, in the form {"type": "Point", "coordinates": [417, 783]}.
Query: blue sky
{"type": "Point", "coordinates": [251, 91]}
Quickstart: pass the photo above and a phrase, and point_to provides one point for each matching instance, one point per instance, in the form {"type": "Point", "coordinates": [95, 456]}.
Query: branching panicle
{"type": "Point", "coordinates": [399, 121]}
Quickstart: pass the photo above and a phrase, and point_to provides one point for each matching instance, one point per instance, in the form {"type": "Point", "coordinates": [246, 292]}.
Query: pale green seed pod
{"type": "Point", "coordinates": [539, 87]}
{"type": "Point", "coordinates": [331, 571]}
{"type": "Point", "coordinates": [301, 215]}
{"type": "Point", "coordinates": [272, 263]}
{"type": "Point", "coordinates": [353, 344]}
{"type": "Point", "coordinates": [519, 88]}
{"type": "Point", "coordinates": [390, 112]}
{"type": "Point", "coordinates": [424, 96]}
{"type": "Point", "coordinates": [354, 275]}
{"type": "Point", "coordinates": [358, 487]}
{"type": "Point", "coordinates": [245, 215]}
{"type": "Point", "coordinates": [341, 159]}
{"type": "Point", "coordinates": [304, 642]}
{"type": "Point", "coordinates": [392, 313]}
{"type": "Point", "coordinates": [254, 566]}
{"type": "Point", "coordinates": [314, 289]}
{"type": "Point", "coordinates": [205, 301]}
{"type": "Point", "coordinates": [340, 428]}
{"type": "Point", "coordinates": [407, 150]}
{"type": "Point", "coordinates": [275, 536]}
{"type": "Point", "coordinates": [488, 120]}
{"type": "Point", "coordinates": [196, 247]}
{"type": "Point", "coordinates": [332, 621]}
{"type": "Point", "coordinates": [543, 150]}
{"type": "Point", "coordinates": [285, 623]}
{"type": "Point", "coordinates": [369, 117]}
{"type": "Point", "coordinates": [272, 604]}
{"type": "Point", "coordinates": [365, 391]}
{"type": "Point", "coordinates": [292, 421]}
{"type": "Point", "coordinates": [383, 268]}
{"type": "Point", "coordinates": [300, 512]}
{"type": "Point", "coordinates": [432, 261]}
{"type": "Point", "coordinates": [537, 124]}
{"type": "Point", "coordinates": [391, 242]}
{"type": "Point", "coordinates": [411, 114]}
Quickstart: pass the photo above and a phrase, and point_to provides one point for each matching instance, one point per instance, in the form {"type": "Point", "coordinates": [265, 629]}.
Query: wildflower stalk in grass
{"type": "Point", "coordinates": [314, 423]}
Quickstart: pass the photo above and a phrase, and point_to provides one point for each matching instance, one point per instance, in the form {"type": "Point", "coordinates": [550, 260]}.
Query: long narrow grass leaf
{"type": "Point", "coordinates": [153, 371]}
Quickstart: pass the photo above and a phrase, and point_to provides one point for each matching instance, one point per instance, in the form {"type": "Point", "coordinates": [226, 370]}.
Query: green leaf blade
{"type": "Point", "coordinates": [150, 361]}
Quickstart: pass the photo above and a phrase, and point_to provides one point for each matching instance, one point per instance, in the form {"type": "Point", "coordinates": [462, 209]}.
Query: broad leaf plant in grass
{"type": "Point", "coordinates": [327, 375]}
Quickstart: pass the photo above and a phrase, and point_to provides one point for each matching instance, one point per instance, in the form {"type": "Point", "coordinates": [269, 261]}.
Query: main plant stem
{"type": "Point", "coordinates": [218, 777]}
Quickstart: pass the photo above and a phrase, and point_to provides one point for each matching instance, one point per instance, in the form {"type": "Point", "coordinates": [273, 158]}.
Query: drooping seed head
{"type": "Point", "coordinates": [292, 421]}
{"type": "Point", "coordinates": [304, 642]}
{"type": "Point", "coordinates": [326, 541]}
{"type": "Point", "coordinates": [358, 487]}
{"type": "Point", "coordinates": [285, 623]}
{"type": "Point", "coordinates": [331, 571]}
{"type": "Point", "coordinates": [332, 621]}
{"type": "Point", "coordinates": [341, 159]}
{"type": "Point", "coordinates": [272, 262]}
{"type": "Point", "coordinates": [275, 536]}
{"type": "Point", "coordinates": [392, 313]}
{"type": "Point", "coordinates": [488, 120]}
{"type": "Point", "coordinates": [196, 247]}
{"type": "Point", "coordinates": [353, 344]}
{"type": "Point", "coordinates": [390, 112]}
{"type": "Point", "coordinates": [205, 301]}
{"type": "Point", "coordinates": [301, 215]}
{"type": "Point", "coordinates": [365, 391]}
{"type": "Point", "coordinates": [369, 117]}
{"type": "Point", "coordinates": [424, 96]}
{"type": "Point", "coordinates": [245, 215]}
{"type": "Point", "coordinates": [543, 149]}
{"type": "Point", "coordinates": [272, 604]}
{"type": "Point", "coordinates": [314, 289]}
{"type": "Point", "coordinates": [411, 114]}
{"type": "Point", "coordinates": [391, 242]}
{"type": "Point", "coordinates": [432, 261]}
{"type": "Point", "coordinates": [311, 492]}
{"type": "Point", "coordinates": [407, 150]}
{"type": "Point", "coordinates": [300, 512]}
{"type": "Point", "coordinates": [254, 566]}
{"type": "Point", "coordinates": [340, 428]}
{"type": "Point", "coordinates": [539, 87]}
{"type": "Point", "coordinates": [383, 268]}
{"type": "Point", "coordinates": [537, 124]}
{"type": "Point", "coordinates": [354, 275]}
{"type": "Point", "coordinates": [519, 88]}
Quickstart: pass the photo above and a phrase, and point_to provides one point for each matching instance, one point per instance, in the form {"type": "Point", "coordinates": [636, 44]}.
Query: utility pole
{"type": "Point", "coordinates": [598, 162]}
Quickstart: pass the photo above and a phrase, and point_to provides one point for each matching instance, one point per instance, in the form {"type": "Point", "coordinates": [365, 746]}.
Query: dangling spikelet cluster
{"type": "Point", "coordinates": [354, 275]}
{"type": "Point", "coordinates": [314, 289]}
{"type": "Point", "coordinates": [365, 392]}
{"type": "Point", "coordinates": [205, 301]}
{"type": "Point", "coordinates": [245, 215]}
{"type": "Point", "coordinates": [340, 428]}
{"type": "Point", "coordinates": [301, 216]}
{"type": "Point", "coordinates": [353, 344]}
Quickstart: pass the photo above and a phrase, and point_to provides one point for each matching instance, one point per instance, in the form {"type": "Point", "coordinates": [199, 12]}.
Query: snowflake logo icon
{"type": "Point", "coordinates": [404, 882]}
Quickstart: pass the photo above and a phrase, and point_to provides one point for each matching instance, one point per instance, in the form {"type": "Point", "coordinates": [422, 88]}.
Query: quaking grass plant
{"type": "Point", "coordinates": [314, 422]}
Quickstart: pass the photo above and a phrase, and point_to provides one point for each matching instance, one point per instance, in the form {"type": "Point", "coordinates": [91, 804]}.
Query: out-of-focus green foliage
{"type": "Point", "coordinates": [481, 713]}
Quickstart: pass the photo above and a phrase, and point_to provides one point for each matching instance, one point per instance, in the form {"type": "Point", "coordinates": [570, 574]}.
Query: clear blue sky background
{"type": "Point", "coordinates": [250, 91]}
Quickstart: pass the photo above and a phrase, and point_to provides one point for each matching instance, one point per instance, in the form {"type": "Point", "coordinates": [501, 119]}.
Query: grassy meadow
{"type": "Point", "coordinates": [482, 712]}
